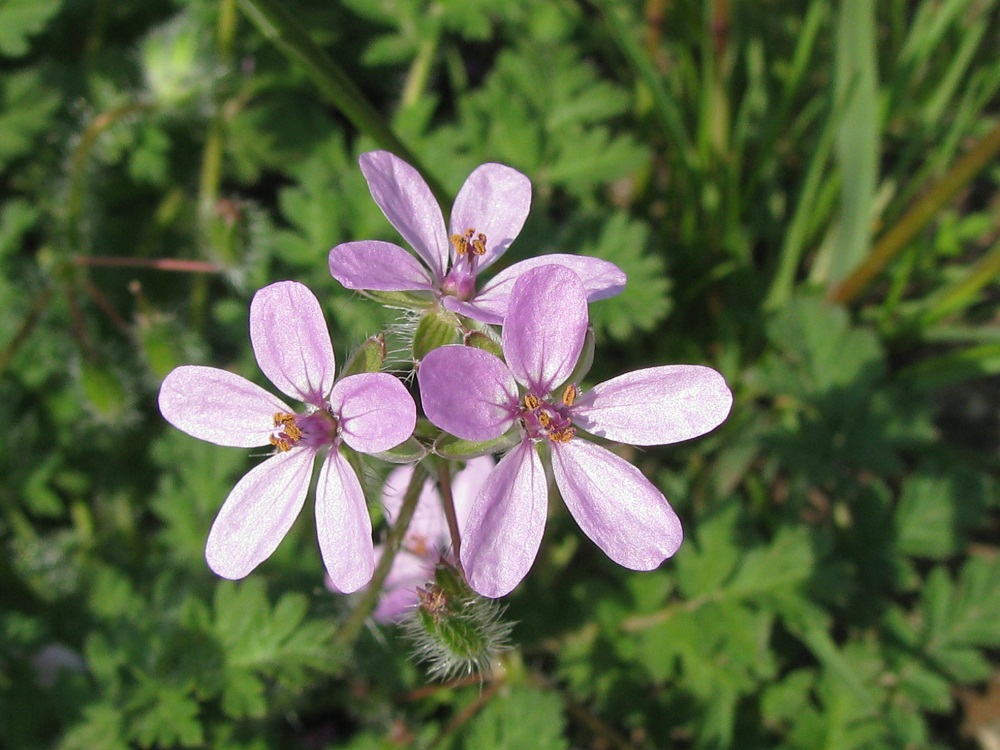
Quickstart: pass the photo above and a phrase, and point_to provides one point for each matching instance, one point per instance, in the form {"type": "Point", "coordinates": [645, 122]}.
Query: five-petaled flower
{"type": "Point", "coordinates": [473, 395]}
{"type": "Point", "coordinates": [427, 539]}
{"type": "Point", "coordinates": [487, 216]}
{"type": "Point", "coordinates": [368, 412]}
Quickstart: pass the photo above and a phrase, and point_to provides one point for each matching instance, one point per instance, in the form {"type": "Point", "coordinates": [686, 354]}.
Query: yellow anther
{"type": "Point", "coordinates": [544, 419]}
{"type": "Point", "coordinates": [290, 434]}
{"type": "Point", "coordinates": [531, 402]}
{"type": "Point", "coordinates": [562, 436]}
{"type": "Point", "coordinates": [570, 394]}
{"type": "Point", "coordinates": [280, 443]}
{"type": "Point", "coordinates": [479, 244]}
{"type": "Point", "coordinates": [461, 244]}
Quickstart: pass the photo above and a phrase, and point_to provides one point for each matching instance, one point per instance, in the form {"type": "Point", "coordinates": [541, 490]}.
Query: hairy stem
{"type": "Point", "coordinates": [369, 599]}
{"type": "Point", "coordinates": [448, 502]}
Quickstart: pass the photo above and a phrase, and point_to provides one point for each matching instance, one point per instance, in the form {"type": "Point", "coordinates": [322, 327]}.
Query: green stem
{"type": "Point", "coordinates": [448, 502]}
{"type": "Point", "coordinates": [416, 78]}
{"type": "Point", "coordinates": [919, 216]}
{"type": "Point", "coordinates": [962, 292]}
{"type": "Point", "coordinates": [27, 326]}
{"type": "Point", "coordinates": [78, 164]}
{"type": "Point", "coordinates": [352, 627]}
{"type": "Point", "coordinates": [278, 25]}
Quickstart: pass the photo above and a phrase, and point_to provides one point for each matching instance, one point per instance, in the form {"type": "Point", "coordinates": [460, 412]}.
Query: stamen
{"type": "Point", "coordinates": [463, 242]}
{"type": "Point", "coordinates": [479, 244]}
{"type": "Point", "coordinates": [530, 402]}
{"type": "Point", "coordinates": [280, 443]}
{"type": "Point", "coordinates": [544, 419]}
{"type": "Point", "coordinates": [570, 394]}
{"type": "Point", "coordinates": [562, 436]}
{"type": "Point", "coordinates": [290, 433]}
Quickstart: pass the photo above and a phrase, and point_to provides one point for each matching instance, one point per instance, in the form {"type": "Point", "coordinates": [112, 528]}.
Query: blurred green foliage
{"type": "Point", "coordinates": [840, 584]}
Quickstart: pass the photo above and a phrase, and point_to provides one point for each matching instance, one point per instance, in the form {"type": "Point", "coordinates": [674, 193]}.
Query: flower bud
{"type": "Point", "coordinates": [437, 327]}
{"type": "Point", "coordinates": [455, 631]}
{"type": "Point", "coordinates": [479, 340]}
{"type": "Point", "coordinates": [369, 357]}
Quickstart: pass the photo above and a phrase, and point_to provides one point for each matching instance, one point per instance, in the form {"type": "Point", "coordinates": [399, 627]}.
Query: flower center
{"type": "Point", "coordinates": [461, 279]}
{"type": "Point", "coordinates": [472, 243]}
{"type": "Point", "coordinates": [551, 421]}
{"type": "Point", "coordinates": [314, 429]}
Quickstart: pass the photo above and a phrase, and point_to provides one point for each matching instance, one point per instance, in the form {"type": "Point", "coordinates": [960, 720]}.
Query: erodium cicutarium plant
{"type": "Point", "coordinates": [463, 529]}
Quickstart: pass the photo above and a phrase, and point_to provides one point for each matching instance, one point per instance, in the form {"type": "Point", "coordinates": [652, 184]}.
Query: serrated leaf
{"type": "Point", "coordinates": [645, 301]}
{"type": "Point", "coordinates": [27, 105]}
{"type": "Point", "coordinates": [99, 729]}
{"type": "Point", "coordinates": [935, 510]}
{"type": "Point", "coordinates": [22, 19]}
{"type": "Point", "coordinates": [778, 568]}
{"type": "Point", "coordinates": [525, 719]}
{"type": "Point", "coordinates": [172, 719]}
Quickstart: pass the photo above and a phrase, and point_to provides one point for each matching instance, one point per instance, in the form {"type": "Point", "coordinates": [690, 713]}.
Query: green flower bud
{"type": "Point", "coordinates": [454, 630]}
{"type": "Point", "coordinates": [369, 357]}
{"type": "Point", "coordinates": [479, 340]}
{"type": "Point", "coordinates": [437, 327]}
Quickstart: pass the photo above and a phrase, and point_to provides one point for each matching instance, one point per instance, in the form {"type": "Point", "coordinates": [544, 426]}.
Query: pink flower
{"type": "Point", "coordinates": [369, 412]}
{"type": "Point", "coordinates": [473, 395]}
{"type": "Point", "coordinates": [427, 539]}
{"type": "Point", "coordinates": [487, 217]}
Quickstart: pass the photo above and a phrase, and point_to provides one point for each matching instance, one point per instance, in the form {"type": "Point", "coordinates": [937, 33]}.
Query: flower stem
{"type": "Point", "coordinates": [352, 627]}
{"type": "Point", "coordinates": [889, 245]}
{"type": "Point", "coordinates": [281, 28]}
{"type": "Point", "coordinates": [448, 502]}
{"type": "Point", "coordinates": [31, 320]}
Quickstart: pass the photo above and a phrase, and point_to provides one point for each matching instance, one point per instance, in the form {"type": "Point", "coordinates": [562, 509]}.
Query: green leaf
{"type": "Point", "coordinates": [524, 719]}
{"type": "Point", "coordinates": [645, 302]}
{"type": "Point", "coordinates": [780, 567]}
{"type": "Point", "coordinates": [22, 19]}
{"type": "Point", "coordinates": [26, 104]}
{"type": "Point", "coordinates": [16, 218]}
{"type": "Point", "coordinates": [171, 719]}
{"type": "Point", "coordinates": [100, 729]}
{"type": "Point", "coordinates": [937, 509]}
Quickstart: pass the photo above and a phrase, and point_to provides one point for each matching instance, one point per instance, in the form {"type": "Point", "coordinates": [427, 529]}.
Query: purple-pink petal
{"type": "Point", "coordinates": [408, 573]}
{"type": "Point", "coordinates": [656, 406]}
{"type": "Point", "coordinates": [258, 513]}
{"type": "Point", "coordinates": [475, 311]}
{"type": "Point", "coordinates": [545, 326]}
{"type": "Point", "coordinates": [343, 526]}
{"type": "Point", "coordinates": [615, 505]}
{"type": "Point", "coordinates": [494, 201]}
{"type": "Point", "coordinates": [505, 525]}
{"type": "Point", "coordinates": [375, 410]}
{"type": "Point", "coordinates": [219, 406]}
{"type": "Point", "coordinates": [409, 205]}
{"type": "Point", "coordinates": [600, 279]}
{"type": "Point", "coordinates": [378, 266]}
{"type": "Point", "coordinates": [467, 484]}
{"type": "Point", "coordinates": [428, 517]}
{"type": "Point", "coordinates": [467, 392]}
{"type": "Point", "coordinates": [291, 341]}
